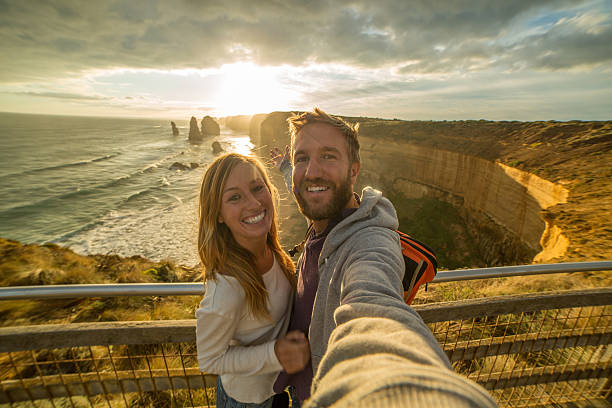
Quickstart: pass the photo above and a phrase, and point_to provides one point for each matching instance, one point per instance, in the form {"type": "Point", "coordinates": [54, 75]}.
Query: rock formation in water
{"type": "Point", "coordinates": [175, 131]}
{"type": "Point", "coordinates": [210, 127]}
{"type": "Point", "coordinates": [216, 148]}
{"type": "Point", "coordinates": [194, 132]}
{"type": "Point", "coordinates": [182, 166]}
{"type": "Point", "coordinates": [179, 166]}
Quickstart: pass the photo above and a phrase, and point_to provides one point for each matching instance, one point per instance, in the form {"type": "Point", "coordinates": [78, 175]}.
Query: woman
{"type": "Point", "coordinates": [249, 286]}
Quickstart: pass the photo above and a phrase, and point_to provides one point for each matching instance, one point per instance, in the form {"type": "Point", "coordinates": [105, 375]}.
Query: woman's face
{"type": "Point", "coordinates": [246, 205]}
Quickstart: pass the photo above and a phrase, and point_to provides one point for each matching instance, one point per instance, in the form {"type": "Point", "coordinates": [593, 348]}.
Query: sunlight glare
{"type": "Point", "coordinates": [248, 89]}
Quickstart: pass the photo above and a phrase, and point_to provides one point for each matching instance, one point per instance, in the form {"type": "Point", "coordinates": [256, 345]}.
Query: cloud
{"type": "Point", "coordinates": [55, 39]}
{"type": "Point", "coordinates": [584, 40]}
{"type": "Point", "coordinates": [62, 95]}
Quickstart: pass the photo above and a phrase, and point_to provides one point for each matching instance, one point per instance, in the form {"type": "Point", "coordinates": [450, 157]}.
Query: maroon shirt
{"type": "Point", "coordinates": [307, 283]}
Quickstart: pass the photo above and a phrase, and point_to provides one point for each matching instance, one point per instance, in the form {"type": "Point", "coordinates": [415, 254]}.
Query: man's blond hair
{"type": "Point", "coordinates": [349, 130]}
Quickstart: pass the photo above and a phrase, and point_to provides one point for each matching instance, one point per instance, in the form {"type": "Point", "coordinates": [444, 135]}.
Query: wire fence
{"type": "Point", "coordinates": [533, 350]}
{"type": "Point", "coordinates": [527, 350]}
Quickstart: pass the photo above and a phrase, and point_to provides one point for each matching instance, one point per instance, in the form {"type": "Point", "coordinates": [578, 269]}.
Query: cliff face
{"type": "Point", "coordinates": [525, 191]}
{"type": "Point", "coordinates": [274, 130]}
{"type": "Point", "coordinates": [485, 190]}
{"type": "Point", "coordinates": [239, 123]}
{"type": "Point", "coordinates": [255, 127]}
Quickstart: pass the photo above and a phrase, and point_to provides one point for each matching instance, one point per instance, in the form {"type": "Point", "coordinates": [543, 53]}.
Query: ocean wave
{"type": "Point", "coordinates": [159, 162]}
{"type": "Point", "coordinates": [142, 193]}
{"type": "Point", "coordinates": [142, 185]}
{"type": "Point", "coordinates": [62, 166]}
{"type": "Point", "coordinates": [65, 237]}
{"type": "Point", "coordinates": [60, 200]}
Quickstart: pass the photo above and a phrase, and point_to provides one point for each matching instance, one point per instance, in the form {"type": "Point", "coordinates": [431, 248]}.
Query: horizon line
{"type": "Point", "coordinates": [126, 117]}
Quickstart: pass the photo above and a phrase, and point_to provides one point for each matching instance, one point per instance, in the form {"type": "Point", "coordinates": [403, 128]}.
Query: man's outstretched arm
{"type": "Point", "coordinates": [390, 361]}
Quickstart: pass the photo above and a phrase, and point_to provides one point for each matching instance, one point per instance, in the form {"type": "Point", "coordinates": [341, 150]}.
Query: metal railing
{"type": "Point", "coordinates": [191, 289]}
{"type": "Point", "coordinates": [527, 350]}
{"type": "Point", "coordinates": [539, 349]}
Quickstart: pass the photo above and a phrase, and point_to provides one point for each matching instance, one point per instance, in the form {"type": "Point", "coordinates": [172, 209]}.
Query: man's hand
{"type": "Point", "coordinates": [293, 351]}
{"type": "Point", "coordinates": [278, 156]}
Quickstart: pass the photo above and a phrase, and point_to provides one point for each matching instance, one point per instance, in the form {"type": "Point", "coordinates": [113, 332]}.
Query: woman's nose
{"type": "Point", "coordinates": [253, 201]}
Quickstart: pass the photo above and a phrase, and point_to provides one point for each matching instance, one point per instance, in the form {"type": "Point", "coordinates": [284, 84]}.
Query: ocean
{"type": "Point", "coordinates": [104, 185]}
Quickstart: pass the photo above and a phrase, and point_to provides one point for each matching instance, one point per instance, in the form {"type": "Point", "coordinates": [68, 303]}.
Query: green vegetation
{"type": "Point", "coordinates": [441, 227]}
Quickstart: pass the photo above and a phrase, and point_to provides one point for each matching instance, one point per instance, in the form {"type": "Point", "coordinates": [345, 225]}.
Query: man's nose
{"type": "Point", "coordinates": [313, 170]}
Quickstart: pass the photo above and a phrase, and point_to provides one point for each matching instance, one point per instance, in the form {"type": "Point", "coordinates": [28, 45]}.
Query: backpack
{"type": "Point", "coordinates": [419, 259]}
{"type": "Point", "coordinates": [421, 265]}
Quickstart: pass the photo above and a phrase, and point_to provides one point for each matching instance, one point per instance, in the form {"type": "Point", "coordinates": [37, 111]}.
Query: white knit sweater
{"type": "Point", "coordinates": [237, 346]}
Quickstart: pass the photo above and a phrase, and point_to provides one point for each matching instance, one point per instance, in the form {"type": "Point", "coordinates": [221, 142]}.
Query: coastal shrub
{"type": "Point", "coordinates": [162, 273]}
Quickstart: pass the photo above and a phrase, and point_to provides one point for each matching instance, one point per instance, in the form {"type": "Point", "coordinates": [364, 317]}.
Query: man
{"type": "Point", "coordinates": [325, 161]}
{"type": "Point", "coordinates": [351, 267]}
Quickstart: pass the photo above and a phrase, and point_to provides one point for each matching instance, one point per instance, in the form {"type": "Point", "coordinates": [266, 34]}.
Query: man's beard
{"type": "Point", "coordinates": [341, 194]}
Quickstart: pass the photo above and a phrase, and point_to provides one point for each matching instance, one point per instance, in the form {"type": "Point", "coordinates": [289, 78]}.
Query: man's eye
{"type": "Point", "coordinates": [300, 159]}
{"type": "Point", "coordinates": [328, 156]}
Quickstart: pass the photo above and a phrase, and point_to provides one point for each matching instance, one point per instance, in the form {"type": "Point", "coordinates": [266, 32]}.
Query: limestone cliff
{"type": "Point", "coordinates": [255, 126]}
{"type": "Point", "coordinates": [274, 130]}
{"type": "Point", "coordinates": [238, 123]}
{"type": "Point", "coordinates": [525, 191]}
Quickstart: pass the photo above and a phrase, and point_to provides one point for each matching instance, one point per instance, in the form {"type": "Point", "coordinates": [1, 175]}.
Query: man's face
{"type": "Point", "coordinates": [323, 176]}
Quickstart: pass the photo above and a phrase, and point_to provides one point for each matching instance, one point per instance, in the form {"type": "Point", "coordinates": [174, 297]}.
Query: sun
{"type": "Point", "coordinates": [247, 89]}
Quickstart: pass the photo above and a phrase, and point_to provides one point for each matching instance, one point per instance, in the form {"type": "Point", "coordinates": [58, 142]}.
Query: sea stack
{"type": "Point", "coordinates": [175, 131]}
{"type": "Point", "coordinates": [216, 147]}
{"type": "Point", "coordinates": [194, 132]}
{"type": "Point", "coordinates": [210, 127]}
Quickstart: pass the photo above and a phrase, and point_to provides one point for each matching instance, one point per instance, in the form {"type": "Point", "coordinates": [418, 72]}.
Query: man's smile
{"type": "Point", "coordinates": [314, 189]}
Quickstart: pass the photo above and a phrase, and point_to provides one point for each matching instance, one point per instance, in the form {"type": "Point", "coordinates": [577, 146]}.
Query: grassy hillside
{"type": "Point", "coordinates": [24, 265]}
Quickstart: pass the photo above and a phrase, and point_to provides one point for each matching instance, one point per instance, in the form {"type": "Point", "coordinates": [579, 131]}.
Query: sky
{"type": "Point", "coordinates": [407, 59]}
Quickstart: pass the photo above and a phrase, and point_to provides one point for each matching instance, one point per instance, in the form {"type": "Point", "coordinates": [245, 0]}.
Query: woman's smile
{"type": "Point", "coordinates": [255, 219]}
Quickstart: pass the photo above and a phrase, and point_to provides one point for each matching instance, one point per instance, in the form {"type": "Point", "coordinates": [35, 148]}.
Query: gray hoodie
{"type": "Point", "coordinates": [361, 259]}
{"type": "Point", "coordinates": [381, 353]}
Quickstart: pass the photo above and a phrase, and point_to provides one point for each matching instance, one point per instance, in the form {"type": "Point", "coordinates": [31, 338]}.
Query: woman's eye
{"type": "Point", "coordinates": [234, 197]}
{"type": "Point", "coordinates": [258, 188]}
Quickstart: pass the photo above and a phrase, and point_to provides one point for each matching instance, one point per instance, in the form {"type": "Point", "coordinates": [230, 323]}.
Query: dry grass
{"type": "Point", "coordinates": [24, 265]}
{"type": "Point", "coordinates": [451, 291]}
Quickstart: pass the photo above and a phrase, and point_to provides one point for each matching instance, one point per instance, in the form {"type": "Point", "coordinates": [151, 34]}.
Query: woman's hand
{"type": "Point", "coordinates": [293, 351]}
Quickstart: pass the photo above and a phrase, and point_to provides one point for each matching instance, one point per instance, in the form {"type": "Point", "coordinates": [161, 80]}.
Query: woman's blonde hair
{"type": "Point", "coordinates": [219, 251]}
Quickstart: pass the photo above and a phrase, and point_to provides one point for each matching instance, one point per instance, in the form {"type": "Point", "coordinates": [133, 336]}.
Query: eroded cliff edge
{"type": "Point", "coordinates": [523, 191]}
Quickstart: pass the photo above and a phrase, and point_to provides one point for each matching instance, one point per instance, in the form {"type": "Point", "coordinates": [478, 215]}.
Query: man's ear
{"type": "Point", "coordinates": [355, 171]}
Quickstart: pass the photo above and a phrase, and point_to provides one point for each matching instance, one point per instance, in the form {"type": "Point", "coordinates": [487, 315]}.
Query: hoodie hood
{"type": "Point", "coordinates": [374, 210]}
